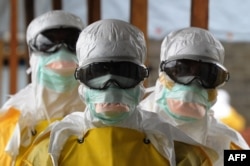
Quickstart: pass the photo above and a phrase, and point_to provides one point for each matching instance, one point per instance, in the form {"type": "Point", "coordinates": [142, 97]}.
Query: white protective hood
{"type": "Point", "coordinates": [100, 42]}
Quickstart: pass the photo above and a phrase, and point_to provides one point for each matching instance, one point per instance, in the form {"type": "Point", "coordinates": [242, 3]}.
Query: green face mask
{"type": "Point", "coordinates": [192, 94]}
{"type": "Point", "coordinates": [59, 82]}
{"type": "Point", "coordinates": [110, 119]}
{"type": "Point", "coordinates": [129, 97]}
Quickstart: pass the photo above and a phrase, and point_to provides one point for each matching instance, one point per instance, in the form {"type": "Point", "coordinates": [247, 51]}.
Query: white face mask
{"type": "Point", "coordinates": [186, 103]}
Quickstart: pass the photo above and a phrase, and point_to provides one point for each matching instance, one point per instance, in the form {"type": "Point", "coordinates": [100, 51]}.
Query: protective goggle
{"type": "Point", "coordinates": [184, 71]}
{"type": "Point", "coordinates": [52, 40]}
{"type": "Point", "coordinates": [101, 75]}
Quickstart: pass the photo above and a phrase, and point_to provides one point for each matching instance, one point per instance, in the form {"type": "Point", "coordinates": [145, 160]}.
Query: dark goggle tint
{"type": "Point", "coordinates": [126, 74]}
{"type": "Point", "coordinates": [51, 40]}
{"type": "Point", "coordinates": [184, 71]}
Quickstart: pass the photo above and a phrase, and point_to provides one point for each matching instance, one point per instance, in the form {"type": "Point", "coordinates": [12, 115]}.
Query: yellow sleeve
{"type": "Point", "coordinates": [38, 154]}
{"type": "Point", "coordinates": [8, 122]}
{"type": "Point", "coordinates": [234, 120]}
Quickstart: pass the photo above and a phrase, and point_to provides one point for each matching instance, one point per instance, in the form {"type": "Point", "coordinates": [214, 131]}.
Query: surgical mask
{"type": "Point", "coordinates": [129, 97]}
{"type": "Point", "coordinates": [110, 118]}
{"type": "Point", "coordinates": [185, 103]}
{"type": "Point", "coordinates": [60, 79]}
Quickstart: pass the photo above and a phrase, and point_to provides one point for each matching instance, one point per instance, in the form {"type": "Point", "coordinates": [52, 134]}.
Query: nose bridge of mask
{"type": "Point", "coordinates": [54, 81]}
{"type": "Point", "coordinates": [109, 80]}
{"type": "Point", "coordinates": [129, 97]}
{"type": "Point", "coordinates": [210, 94]}
{"type": "Point", "coordinates": [59, 82]}
{"type": "Point", "coordinates": [190, 93]}
{"type": "Point", "coordinates": [169, 83]}
{"type": "Point", "coordinates": [60, 55]}
{"type": "Point", "coordinates": [62, 62]}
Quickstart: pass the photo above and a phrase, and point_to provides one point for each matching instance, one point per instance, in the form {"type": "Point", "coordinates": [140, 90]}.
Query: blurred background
{"type": "Point", "coordinates": [228, 20]}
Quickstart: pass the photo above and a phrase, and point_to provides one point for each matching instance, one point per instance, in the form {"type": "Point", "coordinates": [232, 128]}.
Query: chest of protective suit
{"type": "Point", "coordinates": [111, 146]}
{"type": "Point", "coordinates": [24, 151]}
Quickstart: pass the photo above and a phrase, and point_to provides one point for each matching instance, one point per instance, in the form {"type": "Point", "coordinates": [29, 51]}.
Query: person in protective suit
{"type": "Point", "coordinates": [53, 91]}
{"type": "Point", "coordinates": [226, 113]}
{"type": "Point", "coordinates": [112, 130]}
{"type": "Point", "coordinates": [191, 70]}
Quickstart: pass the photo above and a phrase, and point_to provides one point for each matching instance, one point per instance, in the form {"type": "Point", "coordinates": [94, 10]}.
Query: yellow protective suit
{"type": "Point", "coordinates": [32, 115]}
{"type": "Point", "coordinates": [111, 146]}
{"type": "Point", "coordinates": [105, 146]}
{"type": "Point", "coordinates": [234, 120]}
{"type": "Point", "coordinates": [39, 156]}
{"type": "Point", "coordinates": [24, 151]}
{"type": "Point", "coordinates": [8, 122]}
{"type": "Point", "coordinates": [226, 113]}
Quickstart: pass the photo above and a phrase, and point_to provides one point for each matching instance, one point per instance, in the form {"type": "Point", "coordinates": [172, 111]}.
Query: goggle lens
{"type": "Point", "coordinates": [125, 75]}
{"type": "Point", "coordinates": [184, 71]}
{"type": "Point", "coordinates": [51, 40]}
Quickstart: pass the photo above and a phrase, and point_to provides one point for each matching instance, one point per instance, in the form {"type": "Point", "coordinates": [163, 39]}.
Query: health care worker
{"type": "Point", "coordinates": [112, 130]}
{"type": "Point", "coordinates": [226, 113]}
{"type": "Point", "coordinates": [53, 91]}
{"type": "Point", "coordinates": [191, 69]}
